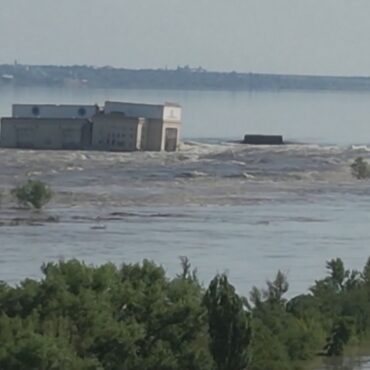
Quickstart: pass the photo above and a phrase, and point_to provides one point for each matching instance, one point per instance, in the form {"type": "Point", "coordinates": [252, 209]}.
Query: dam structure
{"type": "Point", "coordinates": [117, 126]}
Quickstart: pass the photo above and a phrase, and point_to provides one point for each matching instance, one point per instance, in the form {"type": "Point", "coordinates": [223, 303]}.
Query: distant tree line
{"type": "Point", "coordinates": [134, 317]}
{"type": "Point", "coordinates": [179, 78]}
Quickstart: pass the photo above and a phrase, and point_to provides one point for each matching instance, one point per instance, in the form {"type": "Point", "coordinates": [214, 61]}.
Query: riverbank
{"type": "Point", "coordinates": [181, 78]}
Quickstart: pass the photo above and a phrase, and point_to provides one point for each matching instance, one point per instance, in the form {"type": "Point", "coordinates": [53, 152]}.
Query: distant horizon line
{"type": "Point", "coordinates": [198, 69]}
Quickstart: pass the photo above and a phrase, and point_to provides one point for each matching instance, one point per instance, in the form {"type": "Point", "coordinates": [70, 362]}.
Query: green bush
{"type": "Point", "coordinates": [33, 193]}
{"type": "Point", "coordinates": [360, 168]}
{"type": "Point", "coordinates": [136, 317]}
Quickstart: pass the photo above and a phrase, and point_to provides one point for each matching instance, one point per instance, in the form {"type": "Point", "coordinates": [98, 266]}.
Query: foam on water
{"type": "Point", "coordinates": [247, 209]}
{"type": "Point", "coordinates": [199, 170]}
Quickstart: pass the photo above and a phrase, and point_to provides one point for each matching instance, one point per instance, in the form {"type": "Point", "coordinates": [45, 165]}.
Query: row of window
{"type": "Point", "coordinates": [118, 135]}
{"type": "Point", "coordinates": [115, 142]}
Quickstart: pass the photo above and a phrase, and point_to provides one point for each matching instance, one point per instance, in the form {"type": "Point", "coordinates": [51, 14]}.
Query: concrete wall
{"type": "Point", "coordinates": [152, 135]}
{"type": "Point", "coordinates": [116, 132]}
{"type": "Point", "coordinates": [134, 110]}
{"type": "Point", "coordinates": [40, 133]}
{"type": "Point", "coordinates": [172, 113]}
{"type": "Point", "coordinates": [168, 112]}
{"type": "Point", "coordinates": [53, 111]}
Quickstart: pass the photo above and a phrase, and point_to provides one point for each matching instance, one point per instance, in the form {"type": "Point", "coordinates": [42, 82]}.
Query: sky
{"type": "Point", "coordinates": [319, 37]}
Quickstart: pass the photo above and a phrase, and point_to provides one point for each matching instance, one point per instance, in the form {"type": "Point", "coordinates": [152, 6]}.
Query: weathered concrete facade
{"type": "Point", "coordinates": [54, 111]}
{"type": "Point", "coordinates": [116, 132]}
{"type": "Point", "coordinates": [118, 126]}
{"type": "Point", "coordinates": [161, 129]}
{"type": "Point", "coordinates": [45, 133]}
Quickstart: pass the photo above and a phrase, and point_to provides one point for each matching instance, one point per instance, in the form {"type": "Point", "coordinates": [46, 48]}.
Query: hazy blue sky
{"type": "Point", "coordinates": [280, 36]}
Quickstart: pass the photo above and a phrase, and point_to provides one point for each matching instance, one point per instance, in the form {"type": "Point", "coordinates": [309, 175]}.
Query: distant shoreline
{"type": "Point", "coordinates": [182, 78]}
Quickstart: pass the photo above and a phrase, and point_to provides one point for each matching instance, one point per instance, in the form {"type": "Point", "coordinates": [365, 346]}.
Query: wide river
{"type": "Point", "coordinates": [246, 210]}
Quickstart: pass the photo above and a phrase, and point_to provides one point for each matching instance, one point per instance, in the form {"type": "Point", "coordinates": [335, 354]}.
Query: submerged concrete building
{"type": "Point", "coordinates": [118, 126]}
{"type": "Point", "coordinates": [48, 126]}
{"type": "Point", "coordinates": [159, 128]}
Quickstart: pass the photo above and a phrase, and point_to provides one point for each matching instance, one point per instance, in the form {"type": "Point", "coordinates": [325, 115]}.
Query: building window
{"type": "Point", "coordinates": [82, 112]}
{"type": "Point", "coordinates": [36, 111]}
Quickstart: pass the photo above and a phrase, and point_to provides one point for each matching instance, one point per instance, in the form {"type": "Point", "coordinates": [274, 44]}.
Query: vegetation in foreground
{"type": "Point", "coordinates": [34, 193]}
{"type": "Point", "coordinates": [135, 317]}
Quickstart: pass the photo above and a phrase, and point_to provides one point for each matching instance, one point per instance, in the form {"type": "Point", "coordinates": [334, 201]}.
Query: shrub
{"type": "Point", "coordinates": [338, 338]}
{"type": "Point", "coordinates": [360, 168]}
{"type": "Point", "coordinates": [34, 193]}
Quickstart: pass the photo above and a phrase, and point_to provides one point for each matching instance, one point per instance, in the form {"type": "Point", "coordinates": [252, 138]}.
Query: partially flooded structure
{"type": "Point", "coordinates": [48, 126]}
{"type": "Point", "coordinates": [140, 126]}
{"type": "Point", "coordinates": [117, 126]}
{"type": "Point", "coordinates": [263, 139]}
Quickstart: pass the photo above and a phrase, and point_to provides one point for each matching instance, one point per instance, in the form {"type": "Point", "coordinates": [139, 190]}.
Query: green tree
{"type": "Point", "coordinates": [229, 325]}
{"type": "Point", "coordinates": [33, 193]}
{"type": "Point", "coordinates": [360, 169]}
{"type": "Point", "coordinates": [284, 333]}
{"type": "Point", "coordinates": [339, 336]}
{"type": "Point", "coordinates": [337, 273]}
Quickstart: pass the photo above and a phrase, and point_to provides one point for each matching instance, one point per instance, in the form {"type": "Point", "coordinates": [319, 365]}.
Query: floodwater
{"type": "Point", "coordinates": [242, 209]}
{"type": "Point", "coordinates": [246, 210]}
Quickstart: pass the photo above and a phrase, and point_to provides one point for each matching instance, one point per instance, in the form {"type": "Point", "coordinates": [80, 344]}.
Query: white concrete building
{"type": "Point", "coordinates": [118, 126]}
{"type": "Point", "coordinates": [169, 112]}
{"type": "Point", "coordinates": [161, 129]}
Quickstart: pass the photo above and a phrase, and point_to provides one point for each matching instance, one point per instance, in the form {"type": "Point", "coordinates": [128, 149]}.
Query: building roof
{"type": "Point", "coordinates": [171, 104]}
{"type": "Point", "coordinates": [144, 104]}
{"type": "Point", "coordinates": [53, 105]}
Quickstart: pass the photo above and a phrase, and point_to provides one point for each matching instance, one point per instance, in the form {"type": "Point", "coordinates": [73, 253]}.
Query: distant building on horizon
{"type": "Point", "coordinates": [118, 126]}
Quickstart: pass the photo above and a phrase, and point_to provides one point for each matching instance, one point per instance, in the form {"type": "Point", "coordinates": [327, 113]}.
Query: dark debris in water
{"type": "Point", "coordinates": [117, 216]}
{"type": "Point", "coordinates": [32, 220]}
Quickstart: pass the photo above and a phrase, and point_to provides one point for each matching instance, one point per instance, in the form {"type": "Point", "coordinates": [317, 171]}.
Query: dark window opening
{"type": "Point", "coordinates": [170, 139]}
{"type": "Point", "coordinates": [82, 112]}
{"type": "Point", "coordinates": [36, 111]}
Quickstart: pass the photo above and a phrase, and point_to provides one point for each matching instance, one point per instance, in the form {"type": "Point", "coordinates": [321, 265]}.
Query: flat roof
{"type": "Point", "coordinates": [171, 104]}
{"type": "Point", "coordinates": [145, 104]}
{"type": "Point", "coordinates": [53, 105]}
